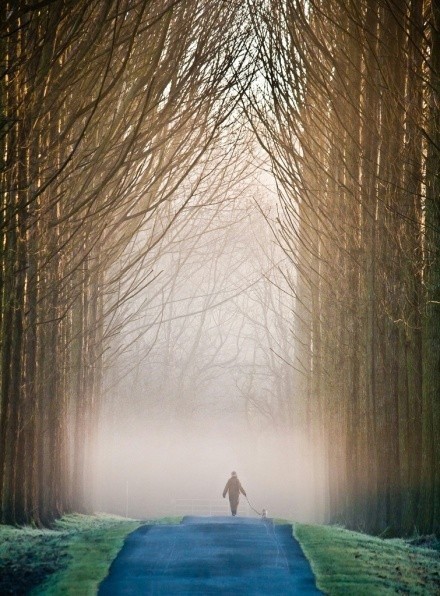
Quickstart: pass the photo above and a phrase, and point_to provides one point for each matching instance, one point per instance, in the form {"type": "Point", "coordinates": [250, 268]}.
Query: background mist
{"type": "Point", "coordinates": [198, 383]}
{"type": "Point", "coordinates": [149, 471]}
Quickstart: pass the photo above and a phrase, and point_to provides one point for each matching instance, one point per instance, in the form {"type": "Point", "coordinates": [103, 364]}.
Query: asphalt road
{"type": "Point", "coordinates": [211, 555]}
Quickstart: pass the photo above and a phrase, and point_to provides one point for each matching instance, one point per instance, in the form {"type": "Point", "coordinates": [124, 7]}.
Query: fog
{"type": "Point", "coordinates": [198, 381]}
{"type": "Point", "coordinates": [177, 470]}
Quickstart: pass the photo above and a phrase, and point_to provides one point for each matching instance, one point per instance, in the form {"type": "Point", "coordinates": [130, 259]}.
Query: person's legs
{"type": "Point", "coordinates": [234, 505]}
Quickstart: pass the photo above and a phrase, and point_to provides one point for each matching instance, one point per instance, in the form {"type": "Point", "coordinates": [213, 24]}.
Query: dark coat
{"type": "Point", "coordinates": [234, 488]}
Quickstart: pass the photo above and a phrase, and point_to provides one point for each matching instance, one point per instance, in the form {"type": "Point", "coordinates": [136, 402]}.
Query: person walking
{"type": "Point", "coordinates": [234, 488]}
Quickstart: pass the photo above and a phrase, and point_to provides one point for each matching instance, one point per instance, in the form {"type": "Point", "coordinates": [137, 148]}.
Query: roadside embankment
{"type": "Point", "coordinates": [351, 563]}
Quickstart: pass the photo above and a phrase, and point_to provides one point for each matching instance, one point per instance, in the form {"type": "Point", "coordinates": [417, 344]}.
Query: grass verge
{"type": "Point", "coordinates": [28, 556]}
{"type": "Point", "coordinates": [350, 563]}
{"type": "Point", "coordinates": [70, 559]}
{"type": "Point", "coordinates": [94, 543]}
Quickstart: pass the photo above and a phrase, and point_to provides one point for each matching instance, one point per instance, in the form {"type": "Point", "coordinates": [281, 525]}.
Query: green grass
{"type": "Point", "coordinates": [28, 555]}
{"type": "Point", "coordinates": [95, 542]}
{"type": "Point", "coordinates": [350, 563]}
{"type": "Point", "coordinates": [70, 559]}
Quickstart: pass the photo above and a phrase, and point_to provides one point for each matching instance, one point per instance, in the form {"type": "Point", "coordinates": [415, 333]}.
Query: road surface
{"type": "Point", "coordinates": [211, 555]}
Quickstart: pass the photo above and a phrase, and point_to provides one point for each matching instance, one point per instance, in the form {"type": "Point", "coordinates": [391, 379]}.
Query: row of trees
{"type": "Point", "coordinates": [106, 110]}
{"type": "Point", "coordinates": [112, 116]}
{"type": "Point", "coordinates": [351, 122]}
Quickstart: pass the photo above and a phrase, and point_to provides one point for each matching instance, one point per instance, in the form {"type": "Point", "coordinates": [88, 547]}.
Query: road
{"type": "Point", "coordinates": [211, 555]}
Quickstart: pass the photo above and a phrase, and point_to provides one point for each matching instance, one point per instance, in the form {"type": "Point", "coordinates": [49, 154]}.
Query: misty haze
{"type": "Point", "coordinates": [201, 390]}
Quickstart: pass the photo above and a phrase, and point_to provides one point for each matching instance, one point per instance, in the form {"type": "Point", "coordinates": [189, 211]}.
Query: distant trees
{"type": "Point", "coordinates": [106, 108]}
{"type": "Point", "coordinates": [351, 124]}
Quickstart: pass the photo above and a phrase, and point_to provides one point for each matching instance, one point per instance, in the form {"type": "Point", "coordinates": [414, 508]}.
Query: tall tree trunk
{"type": "Point", "coordinates": [429, 515]}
